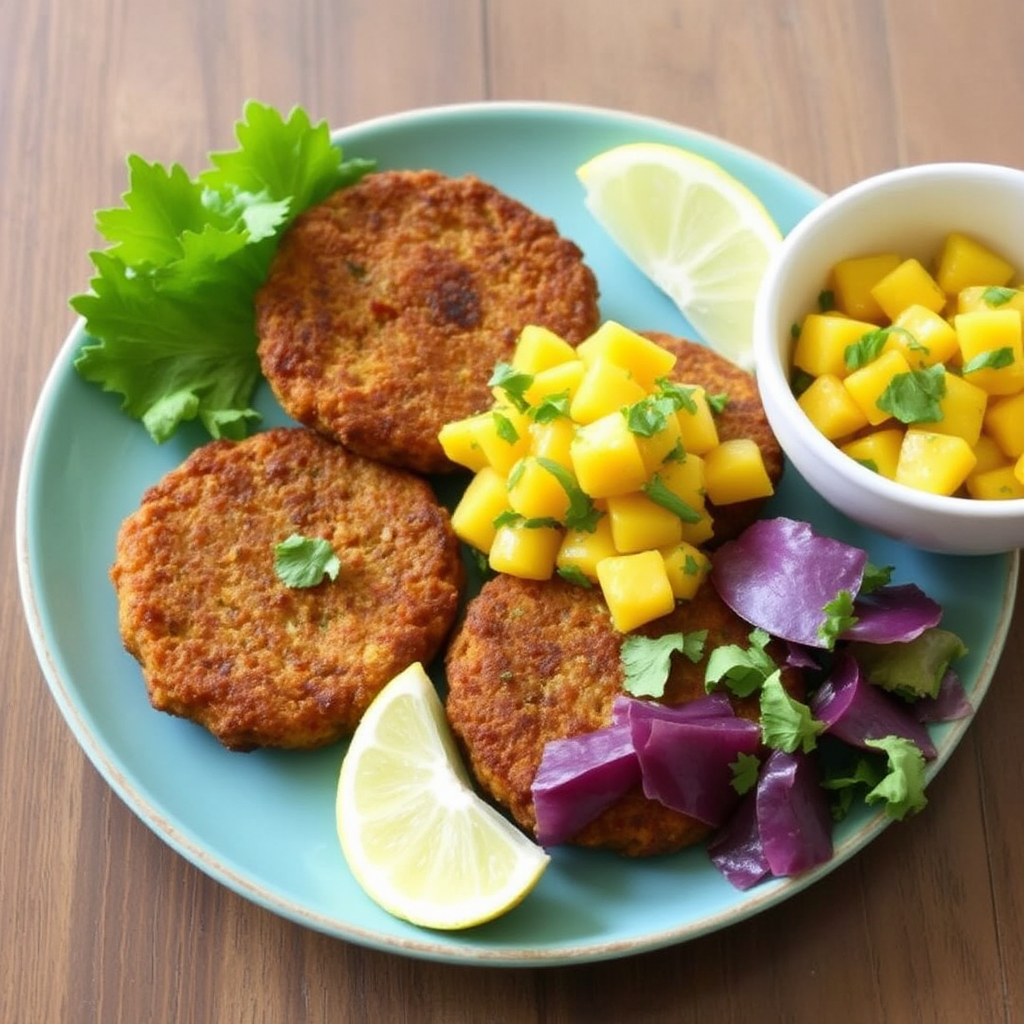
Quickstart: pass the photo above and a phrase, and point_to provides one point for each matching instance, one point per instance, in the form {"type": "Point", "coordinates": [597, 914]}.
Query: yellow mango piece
{"type": "Point", "coordinates": [909, 284]}
{"type": "Point", "coordinates": [988, 331]}
{"type": "Point", "coordinates": [701, 531]}
{"type": "Point", "coordinates": [735, 471]}
{"type": "Point", "coordinates": [1018, 469]}
{"type": "Point", "coordinates": [697, 426]}
{"type": "Point", "coordinates": [538, 349]}
{"type": "Point", "coordinates": [980, 296]}
{"type": "Point", "coordinates": [535, 492]}
{"type": "Point", "coordinates": [604, 387]}
{"type": "Point", "coordinates": [937, 463]}
{"type": "Point", "coordinates": [654, 450]}
{"type": "Point", "coordinates": [988, 454]}
{"type": "Point", "coordinates": [606, 458]}
{"type": "Point", "coordinates": [636, 588]}
{"type": "Point", "coordinates": [964, 262]}
{"type": "Point", "coordinates": [525, 551]}
{"type": "Point", "coordinates": [823, 341]}
{"type": "Point", "coordinates": [460, 441]}
{"type": "Point", "coordinates": [1004, 423]}
{"type": "Point", "coordinates": [581, 550]}
{"type": "Point", "coordinates": [879, 450]}
{"type": "Point", "coordinates": [645, 360]}
{"type": "Point", "coordinates": [484, 499]}
{"type": "Point", "coordinates": [553, 440]}
{"type": "Point", "coordinates": [831, 408]}
{"type": "Point", "coordinates": [866, 385]}
{"type": "Point", "coordinates": [1000, 484]}
{"type": "Point", "coordinates": [852, 280]}
{"type": "Point", "coordinates": [963, 410]}
{"type": "Point", "coordinates": [924, 337]}
{"type": "Point", "coordinates": [687, 567]}
{"type": "Point", "coordinates": [563, 379]}
{"type": "Point", "coordinates": [504, 437]}
{"type": "Point", "coordinates": [685, 480]}
{"type": "Point", "coordinates": [638, 524]}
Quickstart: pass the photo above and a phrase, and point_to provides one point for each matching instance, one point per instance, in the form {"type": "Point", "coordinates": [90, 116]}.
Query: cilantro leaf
{"type": "Point", "coordinates": [995, 296]}
{"type": "Point", "coordinates": [839, 617]}
{"type": "Point", "coordinates": [680, 395]}
{"type": "Point", "coordinates": [646, 660]}
{"type": "Point", "coordinates": [515, 383]}
{"type": "Point", "coordinates": [745, 770]}
{"type": "Point", "coordinates": [994, 359]}
{"type": "Point", "coordinates": [718, 403]}
{"type": "Point", "coordinates": [865, 349]}
{"type": "Point", "coordinates": [786, 723]}
{"type": "Point", "coordinates": [169, 314]}
{"type": "Point", "coordinates": [304, 561]}
{"type": "Point", "coordinates": [551, 407]}
{"type": "Point", "coordinates": [902, 789]}
{"type": "Point", "coordinates": [505, 428]}
{"type": "Point", "coordinates": [582, 514]}
{"type": "Point", "coordinates": [657, 490]}
{"type": "Point", "coordinates": [875, 576]}
{"type": "Point", "coordinates": [575, 575]}
{"type": "Point", "coordinates": [914, 397]}
{"type": "Point", "coordinates": [742, 670]}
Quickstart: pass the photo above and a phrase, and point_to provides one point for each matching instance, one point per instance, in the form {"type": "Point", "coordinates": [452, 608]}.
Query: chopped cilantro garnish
{"type": "Point", "coordinates": [839, 617]}
{"type": "Point", "coordinates": [914, 397]}
{"type": "Point", "coordinates": [511, 518]}
{"type": "Point", "coordinates": [677, 452]}
{"type": "Point", "coordinates": [826, 301]}
{"type": "Point", "coordinates": [582, 514]}
{"type": "Point", "coordinates": [742, 670]}
{"type": "Point", "coordinates": [869, 464]}
{"type": "Point", "coordinates": [869, 346]}
{"type": "Point", "coordinates": [573, 574]}
{"type": "Point", "coordinates": [745, 770]}
{"type": "Point", "coordinates": [648, 416]}
{"type": "Point", "coordinates": [875, 576]}
{"type": "Point", "coordinates": [786, 723]}
{"type": "Point", "coordinates": [902, 788]}
{"type": "Point", "coordinates": [551, 407]}
{"type": "Point", "coordinates": [304, 561]}
{"type": "Point", "coordinates": [514, 383]}
{"type": "Point", "coordinates": [717, 402]}
{"type": "Point", "coordinates": [505, 428]}
{"type": "Point", "coordinates": [997, 296]}
{"type": "Point", "coordinates": [680, 395]}
{"type": "Point", "coordinates": [646, 660]}
{"type": "Point", "coordinates": [660, 494]}
{"type": "Point", "coordinates": [994, 359]}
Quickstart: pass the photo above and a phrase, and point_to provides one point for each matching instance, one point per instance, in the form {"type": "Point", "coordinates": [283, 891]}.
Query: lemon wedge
{"type": "Point", "coordinates": [416, 835]}
{"type": "Point", "coordinates": [697, 232]}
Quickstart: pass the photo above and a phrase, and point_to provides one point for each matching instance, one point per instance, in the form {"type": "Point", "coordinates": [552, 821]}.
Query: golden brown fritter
{"type": "Point", "coordinates": [223, 641]}
{"type": "Point", "coordinates": [538, 661]}
{"type": "Point", "coordinates": [743, 416]}
{"type": "Point", "coordinates": [388, 305]}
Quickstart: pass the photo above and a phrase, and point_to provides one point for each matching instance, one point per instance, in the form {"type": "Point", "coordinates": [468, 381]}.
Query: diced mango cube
{"type": "Point", "coordinates": [982, 296]}
{"type": "Point", "coordinates": [701, 531]}
{"type": "Point", "coordinates": [662, 444]}
{"type": "Point", "coordinates": [735, 471]}
{"type": "Point", "coordinates": [879, 450]}
{"type": "Point", "coordinates": [685, 480]}
{"type": "Point", "coordinates": [1000, 484]}
{"type": "Point", "coordinates": [645, 360]}
{"type": "Point", "coordinates": [460, 441]}
{"type": "Point", "coordinates": [484, 499]}
{"type": "Point", "coordinates": [538, 349]}
{"type": "Point", "coordinates": [563, 379]}
{"type": "Point", "coordinates": [987, 332]}
{"type": "Point", "coordinates": [964, 262]}
{"type": "Point", "coordinates": [831, 408]}
{"type": "Point", "coordinates": [604, 387]}
{"type": "Point", "coordinates": [1004, 423]}
{"type": "Point", "coordinates": [504, 437]}
{"type": "Point", "coordinates": [525, 551]}
{"type": "Point", "coordinates": [909, 284]}
{"type": "Point", "coordinates": [866, 385]}
{"type": "Point", "coordinates": [1018, 469]}
{"type": "Point", "coordinates": [535, 492]}
{"type": "Point", "coordinates": [697, 425]}
{"type": "Point", "coordinates": [638, 523]}
{"type": "Point", "coordinates": [989, 454]}
{"type": "Point", "coordinates": [852, 280]}
{"type": "Point", "coordinates": [924, 337]}
{"type": "Point", "coordinates": [553, 440]}
{"type": "Point", "coordinates": [606, 458]}
{"type": "Point", "coordinates": [581, 550]}
{"type": "Point", "coordinates": [636, 588]}
{"type": "Point", "coordinates": [687, 567]}
{"type": "Point", "coordinates": [937, 463]}
{"type": "Point", "coordinates": [962, 410]}
{"type": "Point", "coordinates": [823, 341]}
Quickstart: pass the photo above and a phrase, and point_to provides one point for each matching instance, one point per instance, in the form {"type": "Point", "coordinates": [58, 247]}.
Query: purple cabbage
{"type": "Point", "coordinates": [950, 703]}
{"type": "Point", "coordinates": [779, 575]}
{"type": "Point", "coordinates": [893, 614]}
{"type": "Point", "coordinates": [712, 705]}
{"type": "Point", "coordinates": [736, 849]}
{"type": "Point", "coordinates": [855, 711]}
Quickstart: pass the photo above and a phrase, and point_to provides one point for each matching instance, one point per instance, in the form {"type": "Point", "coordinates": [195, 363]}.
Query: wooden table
{"type": "Point", "coordinates": [99, 920]}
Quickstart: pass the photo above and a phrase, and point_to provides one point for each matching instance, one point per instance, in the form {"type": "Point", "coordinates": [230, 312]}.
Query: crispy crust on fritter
{"type": "Point", "coordinates": [388, 305]}
{"type": "Point", "coordinates": [537, 661]}
{"type": "Point", "coordinates": [221, 640]}
{"type": "Point", "coordinates": [744, 416]}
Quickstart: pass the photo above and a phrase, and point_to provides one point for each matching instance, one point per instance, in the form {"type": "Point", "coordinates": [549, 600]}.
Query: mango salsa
{"type": "Point", "coordinates": [595, 464]}
{"type": "Point", "coordinates": [916, 370]}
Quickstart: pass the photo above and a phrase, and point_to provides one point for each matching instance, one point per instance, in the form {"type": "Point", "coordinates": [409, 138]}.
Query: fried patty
{"type": "Point", "coordinates": [538, 661]}
{"type": "Point", "coordinates": [224, 642]}
{"type": "Point", "coordinates": [744, 416]}
{"type": "Point", "coordinates": [388, 305]}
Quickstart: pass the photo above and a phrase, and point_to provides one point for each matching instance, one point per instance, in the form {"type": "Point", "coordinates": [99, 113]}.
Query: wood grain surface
{"type": "Point", "coordinates": [100, 921]}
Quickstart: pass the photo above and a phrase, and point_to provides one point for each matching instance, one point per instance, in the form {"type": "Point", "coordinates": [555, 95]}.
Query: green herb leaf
{"type": "Point", "coordinates": [875, 576]}
{"type": "Point", "coordinates": [657, 490]}
{"type": "Point", "coordinates": [505, 428]}
{"type": "Point", "coordinates": [680, 395]}
{"type": "Point", "coordinates": [996, 297]}
{"type": "Point", "coordinates": [902, 789]}
{"type": "Point", "coordinates": [742, 670]}
{"type": "Point", "coordinates": [514, 383]}
{"type": "Point", "coordinates": [551, 407]}
{"type": "Point", "coordinates": [994, 359]}
{"type": "Point", "coordinates": [648, 416]}
{"type": "Point", "coordinates": [786, 723]}
{"type": "Point", "coordinates": [745, 770]}
{"type": "Point", "coordinates": [573, 574]}
{"type": "Point", "coordinates": [718, 403]}
{"type": "Point", "coordinates": [169, 316]}
{"type": "Point", "coordinates": [826, 301]}
{"type": "Point", "coordinates": [914, 397]}
{"type": "Point", "coordinates": [646, 660]}
{"type": "Point", "coordinates": [304, 561]}
{"type": "Point", "coordinates": [839, 617]}
{"type": "Point", "coordinates": [582, 514]}
{"type": "Point", "coordinates": [866, 773]}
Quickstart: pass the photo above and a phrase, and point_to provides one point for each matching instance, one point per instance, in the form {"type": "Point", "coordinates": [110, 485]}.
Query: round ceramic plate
{"type": "Point", "coordinates": [263, 823]}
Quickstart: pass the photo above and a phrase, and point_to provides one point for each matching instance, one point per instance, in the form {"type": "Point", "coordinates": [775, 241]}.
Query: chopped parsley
{"type": "Point", "coordinates": [302, 562]}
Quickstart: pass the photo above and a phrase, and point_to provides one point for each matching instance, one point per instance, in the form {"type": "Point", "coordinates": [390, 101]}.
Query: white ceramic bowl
{"type": "Point", "coordinates": [908, 211]}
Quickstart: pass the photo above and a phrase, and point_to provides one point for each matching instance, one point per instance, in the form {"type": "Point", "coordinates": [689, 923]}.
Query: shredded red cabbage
{"type": "Point", "coordinates": [950, 703]}
{"type": "Point", "coordinates": [893, 614]}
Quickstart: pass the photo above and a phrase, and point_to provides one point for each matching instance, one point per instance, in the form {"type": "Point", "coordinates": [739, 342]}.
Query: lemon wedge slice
{"type": "Point", "coordinates": [416, 835]}
{"type": "Point", "coordinates": [697, 232]}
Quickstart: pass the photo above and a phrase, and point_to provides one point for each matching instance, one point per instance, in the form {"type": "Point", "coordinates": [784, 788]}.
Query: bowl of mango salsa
{"type": "Point", "coordinates": [889, 356]}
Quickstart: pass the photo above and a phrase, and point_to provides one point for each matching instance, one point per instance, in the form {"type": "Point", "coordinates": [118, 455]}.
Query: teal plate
{"type": "Point", "coordinates": [263, 823]}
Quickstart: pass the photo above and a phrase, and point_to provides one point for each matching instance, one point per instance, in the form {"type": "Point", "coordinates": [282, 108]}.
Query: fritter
{"type": "Point", "coordinates": [537, 661]}
{"type": "Point", "coordinates": [388, 305]}
{"type": "Point", "coordinates": [224, 642]}
{"type": "Point", "coordinates": [743, 416]}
